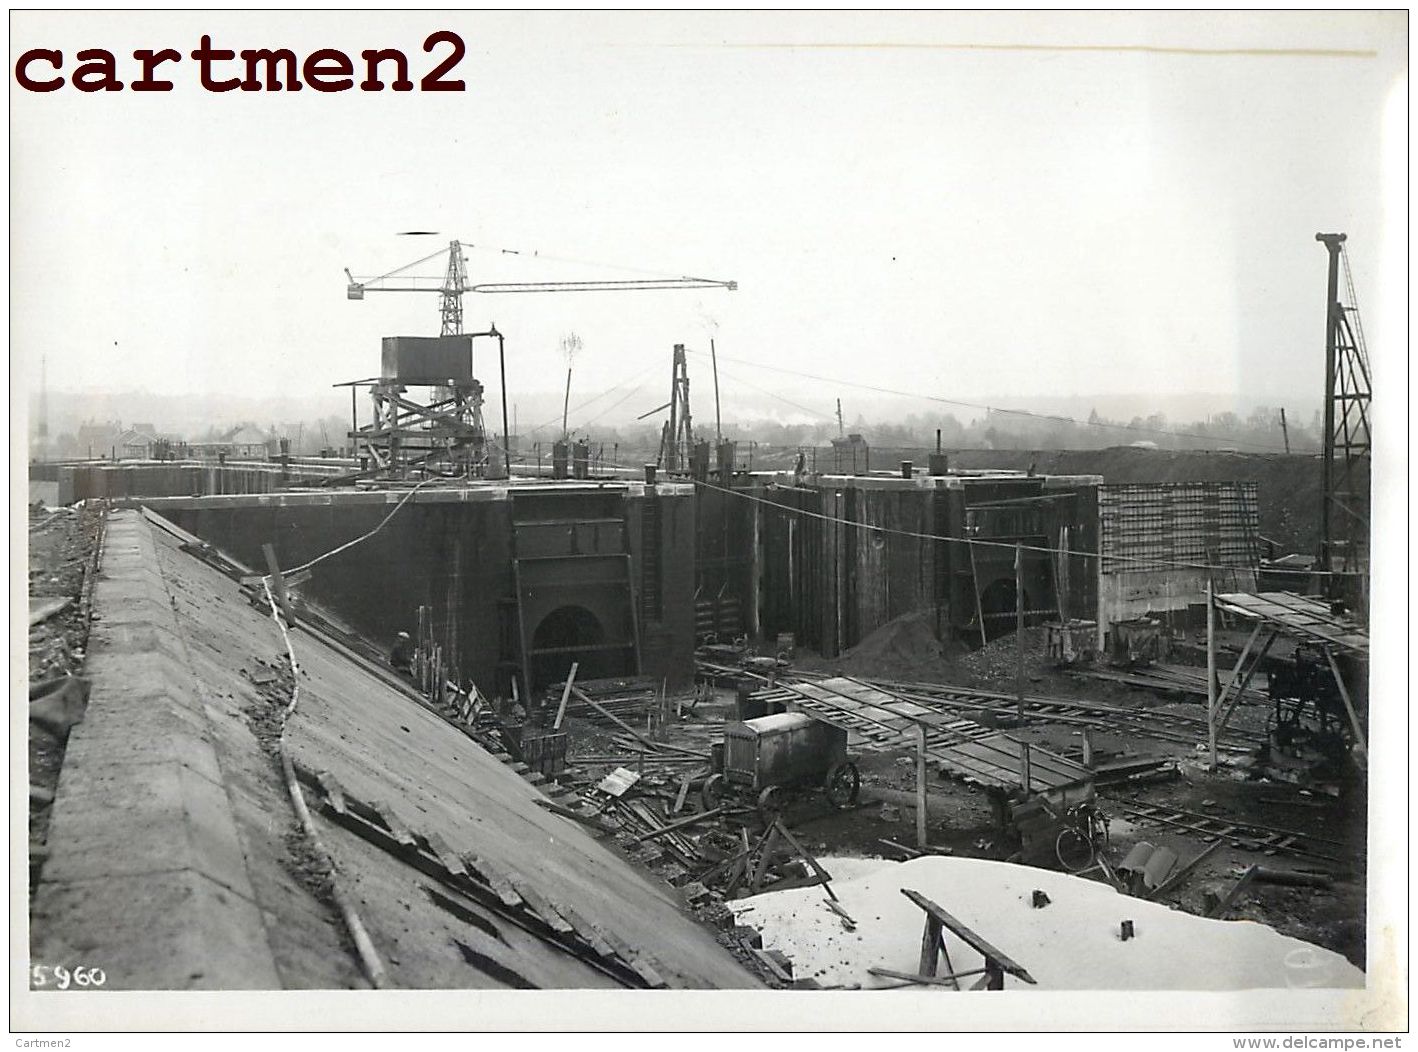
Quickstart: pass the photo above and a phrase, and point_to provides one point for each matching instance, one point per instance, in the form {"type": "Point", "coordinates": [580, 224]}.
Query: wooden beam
{"type": "Point", "coordinates": [1220, 909]}
{"type": "Point", "coordinates": [565, 695]}
{"type": "Point", "coordinates": [1229, 707]}
{"type": "Point", "coordinates": [1211, 672]}
{"type": "Point", "coordinates": [278, 583]}
{"type": "Point", "coordinates": [682, 823]}
{"type": "Point", "coordinates": [993, 957]}
{"type": "Point", "coordinates": [1348, 701]}
{"type": "Point", "coordinates": [926, 980]}
{"type": "Point", "coordinates": [921, 838]}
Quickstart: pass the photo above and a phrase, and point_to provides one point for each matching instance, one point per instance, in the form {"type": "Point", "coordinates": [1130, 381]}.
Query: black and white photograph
{"type": "Point", "coordinates": [709, 521]}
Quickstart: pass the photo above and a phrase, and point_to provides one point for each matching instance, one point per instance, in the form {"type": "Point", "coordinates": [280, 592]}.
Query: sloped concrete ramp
{"type": "Point", "coordinates": [175, 860]}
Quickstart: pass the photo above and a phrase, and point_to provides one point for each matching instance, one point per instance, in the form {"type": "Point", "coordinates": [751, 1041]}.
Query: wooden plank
{"type": "Point", "coordinates": [1348, 702]}
{"type": "Point", "coordinates": [441, 850]}
{"type": "Point", "coordinates": [641, 963]}
{"type": "Point", "coordinates": [930, 947]}
{"type": "Point", "coordinates": [334, 792]}
{"type": "Point", "coordinates": [500, 885]}
{"type": "Point", "coordinates": [587, 931]}
{"type": "Point", "coordinates": [1219, 911]}
{"type": "Point", "coordinates": [565, 695]}
{"type": "Point", "coordinates": [976, 942]}
{"type": "Point", "coordinates": [694, 819]}
{"type": "Point", "coordinates": [540, 906]}
{"type": "Point", "coordinates": [392, 822]}
{"type": "Point", "coordinates": [953, 979]}
{"type": "Point", "coordinates": [921, 838]}
{"type": "Point", "coordinates": [772, 965]}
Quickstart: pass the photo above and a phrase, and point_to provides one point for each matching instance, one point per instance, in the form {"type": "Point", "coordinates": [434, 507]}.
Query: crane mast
{"type": "Point", "coordinates": [1344, 536]}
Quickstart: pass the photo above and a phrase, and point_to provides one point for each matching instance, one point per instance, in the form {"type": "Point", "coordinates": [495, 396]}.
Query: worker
{"type": "Point", "coordinates": [402, 656]}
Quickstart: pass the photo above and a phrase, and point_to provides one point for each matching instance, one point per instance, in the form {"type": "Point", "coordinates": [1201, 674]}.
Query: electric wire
{"type": "Point", "coordinates": [364, 537]}
{"type": "Point", "coordinates": [771, 394]}
{"type": "Point", "coordinates": [596, 398]}
{"type": "Point", "coordinates": [988, 408]}
{"type": "Point", "coordinates": [1011, 545]}
{"type": "Point", "coordinates": [623, 398]}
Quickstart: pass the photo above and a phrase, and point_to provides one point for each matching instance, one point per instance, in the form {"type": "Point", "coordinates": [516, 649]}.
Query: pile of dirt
{"type": "Point", "coordinates": [903, 649]}
{"type": "Point", "coordinates": [997, 662]}
{"type": "Point", "coordinates": [61, 548]}
{"type": "Point", "coordinates": [266, 712]}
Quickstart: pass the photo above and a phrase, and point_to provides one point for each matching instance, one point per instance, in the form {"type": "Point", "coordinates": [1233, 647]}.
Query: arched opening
{"type": "Point", "coordinates": [567, 634]}
{"type": "Point", "coordinates": [997, 603]}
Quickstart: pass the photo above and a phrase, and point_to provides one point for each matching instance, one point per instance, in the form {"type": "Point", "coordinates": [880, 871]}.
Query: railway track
{"type": "Point", "coordinates": [1249, 835]}
{"type": "Point", "coordinates": [971, 703]}
{"type": "Point", "coordinates": [1164, 726]}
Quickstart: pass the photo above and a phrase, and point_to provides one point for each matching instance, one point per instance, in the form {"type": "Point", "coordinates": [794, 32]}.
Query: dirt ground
{"type": "Point", "coordinates": [60, 545]}
{"type": "Point", "coordinates": [960, 820]}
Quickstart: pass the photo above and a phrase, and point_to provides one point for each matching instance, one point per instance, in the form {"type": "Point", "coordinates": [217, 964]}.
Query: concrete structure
{"type": "Point", "coordinates": [519, 579]}
{"type": "Point", "coordinates": [167, 478]}
{"type": "Point", "coordinates": [1163, 542]}
{"type": "Point", "coordinates": [175, 859]}
{"type": "Point", "coordinates": [830, 558]}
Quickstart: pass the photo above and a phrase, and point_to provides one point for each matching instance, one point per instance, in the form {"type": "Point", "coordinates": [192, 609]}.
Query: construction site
{"type": "Point", "coordinates": [439, 714]}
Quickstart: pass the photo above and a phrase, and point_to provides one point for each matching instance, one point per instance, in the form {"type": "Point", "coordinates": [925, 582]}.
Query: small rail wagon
{"type": "Point", "coordinates": [771, 757]}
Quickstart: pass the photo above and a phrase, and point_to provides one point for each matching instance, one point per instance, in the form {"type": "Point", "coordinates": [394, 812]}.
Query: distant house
{"type": "Point", "coordinates": [240, 443]}
{"type": "Point", "coordinates": [247, 441]}
{"type": "Point", "coordinates": [138, 442]}
{"type": "Point", "coordinates": [134, 445]}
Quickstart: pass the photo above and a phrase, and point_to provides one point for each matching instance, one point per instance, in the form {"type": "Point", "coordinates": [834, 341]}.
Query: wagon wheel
{"type": "Point", "coordinates": [770, 803]}
{"type": "Point", "coordinates": [711, 794]}
{"type": "Point", "coordinates": [842, 784]}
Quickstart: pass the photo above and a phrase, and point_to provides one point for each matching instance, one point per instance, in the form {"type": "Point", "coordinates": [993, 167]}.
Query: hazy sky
{"type": "Point", "coordinates": [899, 205]}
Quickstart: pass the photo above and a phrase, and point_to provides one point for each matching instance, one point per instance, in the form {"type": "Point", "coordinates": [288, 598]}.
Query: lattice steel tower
{"type": "Point", "coordinates": [1344, 536]}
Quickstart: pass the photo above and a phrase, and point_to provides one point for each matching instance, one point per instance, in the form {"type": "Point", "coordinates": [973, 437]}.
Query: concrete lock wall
{"type": "Point", "coordinates": [666, 632]}
{"type": "Point", "coordinates": [453, 558]}
{"type": "Point", "coordinates": [175, 479]}
{"type": "Point", "coordinates": [451, 551]}
{"type": "Point", "coordinates": [831, 559]}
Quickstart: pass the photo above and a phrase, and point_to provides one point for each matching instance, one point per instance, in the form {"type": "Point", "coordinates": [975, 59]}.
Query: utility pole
{"type": "Point", "coordinates": [565, 402]}
{"type": "Point", "coordinates": [1211, 672]}
{"type": "Point", "coordinates": [840, 431]}
{"type": "Point", "coordinates": [718, 425]}
{"type": "Point", "coordinates": [1019, 627]}
{"type": "Point", "coordinates": [1284, 431]}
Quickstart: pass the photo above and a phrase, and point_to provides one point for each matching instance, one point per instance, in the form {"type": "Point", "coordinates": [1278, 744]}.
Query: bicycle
{"type": "Point", "coordinates": [1083, 837]}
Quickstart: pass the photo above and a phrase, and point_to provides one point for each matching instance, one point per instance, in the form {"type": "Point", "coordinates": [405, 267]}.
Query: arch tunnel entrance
{"type": "Point", "coordinates": [998, 607]}
{"type": "Point", "coordinates": [573, 633]}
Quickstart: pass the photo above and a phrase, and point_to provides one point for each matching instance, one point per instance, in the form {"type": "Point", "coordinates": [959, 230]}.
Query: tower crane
{"type": "Point", "coordinates": [448, 429]}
